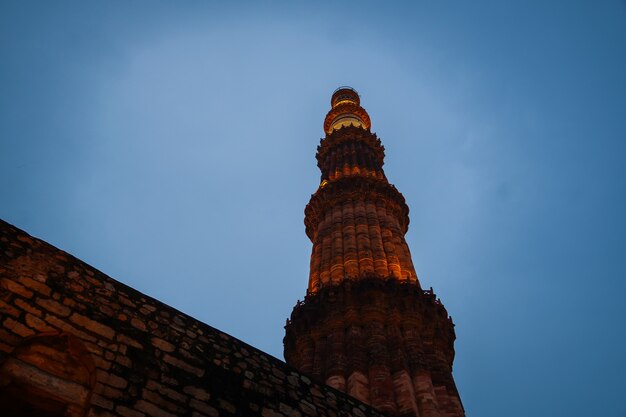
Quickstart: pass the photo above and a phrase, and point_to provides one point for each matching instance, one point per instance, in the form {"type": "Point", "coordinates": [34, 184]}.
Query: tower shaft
{"type": "Point", "coordinates": [366, 327]}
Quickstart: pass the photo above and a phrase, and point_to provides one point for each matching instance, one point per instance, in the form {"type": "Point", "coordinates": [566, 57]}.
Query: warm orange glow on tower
{"type": "Point", "coordinates": [366, 327]}
{"type": "Point", "coordinates": [345, 110]}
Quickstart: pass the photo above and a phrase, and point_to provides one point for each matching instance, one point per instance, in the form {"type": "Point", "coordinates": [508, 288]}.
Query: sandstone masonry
{"type": "Point", "coordinates": [75, 342]}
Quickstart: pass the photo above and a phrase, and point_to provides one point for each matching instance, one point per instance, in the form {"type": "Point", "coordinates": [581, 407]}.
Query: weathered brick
{"type": "Point", "coordinates": [278, 373]}
{"type": "Point", "coordinates": [93, 281]}
{"type": "Point", "coordinates": [17, 327]}
{"type": "Point", "coordinates": [124, 361]}
{"type": "Point", "coordinates": [15, 287]}
{"type": "Point", "coordinates": [197, 393]}
{"type": "Point", "coordinates": [169, 381]}
{"type": "Point", "coordinates": [70, 303]}
{"type": "Point", "coordinates": [187, 354]}
{"type": "Point", "coordinates": [101, 402]}
{"type": "Point", "coordinates": [203, 407]}
{"type": "Point", "coordinates": [53, 307]}
{"type": "Point", "coordinates": [152, 410]}
{"type": "Point", "coordinates": [110, 310]}
{"type": "Point", "coordinates": [129, 341]}
{"type": "Point", "coordinates": [40, 277]}
{"type": "Point", "coordinates": [156, 398]}
{"type": "Point", "coordinates": [162, 344]}
{"type": "Point", "coordinates": [9, 309]}
{"type": "Point", "coordinates": [101, 363]}
{"type": "Point", "coordinates": [26, 306]}
{"type": "Point", "coordinates": [183, 365]}
{"type": "Point", "coordinates": [113, 347]}
{"type": "Point", "coordinates": [25, 239]}
{"type": "Point", "coordinates": [128, 412]}
{"type": "Point", "coordinates": [111, 379]}
{"type": "Point", "coordinates": [63, 325]}
{"type": "Point", "coordinates": [175, 395]}
{"type": "Point", "coordinates": [37, 324]}
{"type": "Point", "coordinates": [93, 348]}
{"type": "Point", "coordinates": [111, 392]}
{"type": "Point", "coordinates": [127, 302]}
{"type": "Point", "coordinates": [138, 324]}
{"type": "Point", "coordinates": [150, 308]}
{"type": "Point", "coordinates": [7, 337]}
{"type": "Point", "coordinates": [35, 285]}
{"type": "Point", "coordinates": [92, 325]}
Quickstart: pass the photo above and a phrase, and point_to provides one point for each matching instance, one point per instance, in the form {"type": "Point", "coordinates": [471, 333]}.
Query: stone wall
{"type": "Point", "coordinates": [75, 342]}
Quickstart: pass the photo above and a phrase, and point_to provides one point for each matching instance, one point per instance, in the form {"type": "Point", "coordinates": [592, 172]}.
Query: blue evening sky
{"type": "Point", "coordinates": [172, 146]}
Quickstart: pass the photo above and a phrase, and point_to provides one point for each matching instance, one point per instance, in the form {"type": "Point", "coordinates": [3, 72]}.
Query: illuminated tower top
{"type": "Point", "coordinates": [346, 110]}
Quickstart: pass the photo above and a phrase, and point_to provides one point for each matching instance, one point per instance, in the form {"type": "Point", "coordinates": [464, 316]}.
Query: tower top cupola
{"type": "Point", "coordinates": [346, 110]}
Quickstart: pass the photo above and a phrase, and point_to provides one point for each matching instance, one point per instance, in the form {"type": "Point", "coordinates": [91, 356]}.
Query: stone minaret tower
{"type": "Point", "coordinates": [366, 326]}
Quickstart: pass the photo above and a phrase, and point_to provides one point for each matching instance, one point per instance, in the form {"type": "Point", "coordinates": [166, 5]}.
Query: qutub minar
{"type": "Point", "coordinates": [366, 327]}
{"type": "Point", "coordinates": [366, 341]}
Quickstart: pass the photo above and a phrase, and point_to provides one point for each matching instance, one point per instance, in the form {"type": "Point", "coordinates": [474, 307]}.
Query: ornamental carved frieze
{"type": "Point", "coordinates": [355, 189]}
{"type": "Point", "coordinates": [350, 134]}
{"type": "Point", "coordinates": [346, 108]}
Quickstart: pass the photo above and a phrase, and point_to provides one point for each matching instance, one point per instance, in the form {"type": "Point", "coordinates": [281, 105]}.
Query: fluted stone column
{"type": "Point", "coordinates": [366, 327]}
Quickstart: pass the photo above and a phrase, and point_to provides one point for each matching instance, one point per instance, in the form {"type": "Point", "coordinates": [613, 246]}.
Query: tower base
{"type": "Point", "coordinates": [386, 343]}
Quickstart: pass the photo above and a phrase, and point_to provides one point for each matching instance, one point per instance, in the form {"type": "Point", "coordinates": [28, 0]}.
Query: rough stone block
{"type": "Point", "coordinates": [183, 365]}
{"type": "Point", "coordinates": [92, 325]}
{"type": "Point", "coordinates": [15, 287]}
{"type": "Point", "coordinates": [152, 410]}
{"type": "Point", "coordinates": [35, 285]}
